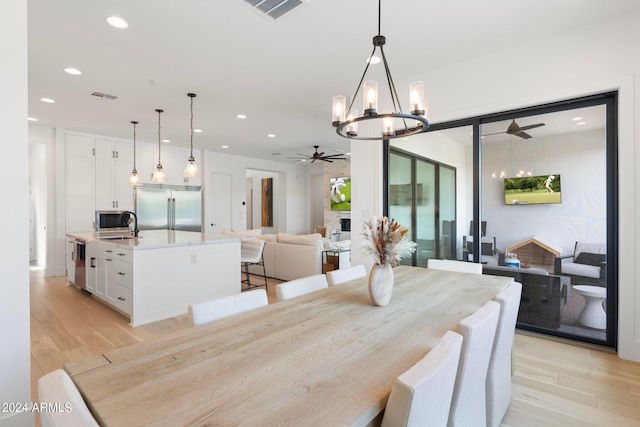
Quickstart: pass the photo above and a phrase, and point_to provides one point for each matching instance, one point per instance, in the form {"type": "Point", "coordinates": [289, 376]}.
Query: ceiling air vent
{"type": "Point", "coordinates": [100, 95]}
{"type": "Point", "coordinates": [274, 9]}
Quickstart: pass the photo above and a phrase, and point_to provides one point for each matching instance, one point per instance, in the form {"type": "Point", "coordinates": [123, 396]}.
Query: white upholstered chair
{"type": "Point", "coordinates": [468, 405]}
{"type": "Point", "coordinates": [421, 396]}
{"type": "Point", "coordinates": [227, 306]}
{"type": "Point", "coordinates": [57, 387]}
{"type": "Point", "coordinates": [453, 265]}
{"type": "Point", "coordinates": [251, 252]}
{"type": "Point", "coordinates": [499, 372]}
{"type": "Point", "coordinates": [301, 286]}
{"type": "Point", "coordinates": [342, 275]}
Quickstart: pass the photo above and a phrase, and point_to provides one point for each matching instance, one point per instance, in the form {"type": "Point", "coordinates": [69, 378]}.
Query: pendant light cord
{"type": "Point", "coordinates": [159, 111]}
{"type": "Point", "coordinates": [191, 124]}
{"type": "Point", "coordinates": [134, 144]}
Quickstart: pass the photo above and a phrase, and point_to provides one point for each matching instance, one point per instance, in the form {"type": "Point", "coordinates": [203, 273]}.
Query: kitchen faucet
{"type": "Point", "coordinates": [135, 221]}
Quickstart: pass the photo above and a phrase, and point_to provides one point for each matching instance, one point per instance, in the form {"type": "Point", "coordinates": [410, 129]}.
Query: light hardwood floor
{"type": "Point", "coordinates": [554, 383]}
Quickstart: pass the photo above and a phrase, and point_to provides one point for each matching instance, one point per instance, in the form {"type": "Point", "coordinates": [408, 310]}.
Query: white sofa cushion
{"type": "Point", "coordinates": [292, 261]}
{"type": "Point", "coordinates": [272, 238]}
{"type": "Point", "coordinates": [314, 239]}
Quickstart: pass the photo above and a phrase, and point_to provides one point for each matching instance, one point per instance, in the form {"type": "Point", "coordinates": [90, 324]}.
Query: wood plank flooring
{"type": "Point", "coordinates": [554, 383]}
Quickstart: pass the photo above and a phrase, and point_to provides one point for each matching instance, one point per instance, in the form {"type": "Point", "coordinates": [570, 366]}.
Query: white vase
{"type": "Point", "coordinates": [381, 284]}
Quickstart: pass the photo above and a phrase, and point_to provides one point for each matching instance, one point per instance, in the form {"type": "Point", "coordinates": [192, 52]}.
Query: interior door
{"type": "Point", "coordinates": [218, 203]}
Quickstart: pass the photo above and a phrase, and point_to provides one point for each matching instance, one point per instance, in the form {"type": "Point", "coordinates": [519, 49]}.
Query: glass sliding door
{"type": "Point", "coordinates": [532, 194]}
{"type": "Point", "coordinates": [544, 193]}
{"type": "Point", "coordinates": [400, 193]}
{"type": "Point", "coordinates": [447, 213]}
{"type": "Point", "coordinates": [420, 190]}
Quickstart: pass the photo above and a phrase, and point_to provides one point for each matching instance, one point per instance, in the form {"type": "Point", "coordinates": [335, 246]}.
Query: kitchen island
{"type": "Point", "coordinates": [158, 274]}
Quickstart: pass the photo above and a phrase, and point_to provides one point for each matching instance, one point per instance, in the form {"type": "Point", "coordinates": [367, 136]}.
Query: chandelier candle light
{"type": "Point", "coordinates": [348, 127]}
{"type": "Point", "coordinates": [191, 171]}
{"type": "Point", "coordinates": [134, 179]}
{"type": "Point", "coordinates": [159, 176]}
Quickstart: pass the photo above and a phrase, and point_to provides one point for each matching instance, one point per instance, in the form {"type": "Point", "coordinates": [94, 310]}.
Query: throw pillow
{"type": "Point", "coordinates": [590, 259]}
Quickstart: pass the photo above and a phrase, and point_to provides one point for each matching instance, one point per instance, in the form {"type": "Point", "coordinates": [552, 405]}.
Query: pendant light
{"type": "Point", "coordinates": [134, 179]}
{"type": "Point", "coordinates": [394, 123]}
{"type": "Point", "coordinates": [159, 175]}
{"type": "Point", "coordinates": [191, 171]}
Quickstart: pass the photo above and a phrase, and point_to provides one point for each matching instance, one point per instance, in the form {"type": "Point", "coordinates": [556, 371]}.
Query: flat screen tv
{"type": "Point", "coordinates": [340, 193]}
{"type": "Point", "coordinates": [529, 190]}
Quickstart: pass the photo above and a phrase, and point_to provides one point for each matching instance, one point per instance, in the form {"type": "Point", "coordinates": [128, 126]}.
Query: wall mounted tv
{"type": "Point", "coordinates": [529, 190]}
{"type": "Point", "coordinates": [340, 193]}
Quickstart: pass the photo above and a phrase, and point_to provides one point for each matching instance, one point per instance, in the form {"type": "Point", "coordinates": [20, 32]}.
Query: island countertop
{"type": "Point", "coordinates": [153, 239]}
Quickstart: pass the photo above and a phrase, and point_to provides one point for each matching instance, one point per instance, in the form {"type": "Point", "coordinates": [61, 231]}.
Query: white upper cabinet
{"type": "Point", "coordinates": [174, 160]}
{"type": "Point", "coordinates": [145, 162]}
{"type": "Point", "coordinates": [80, 182]}
{"type": "Point", "coordinates": [113, 165]}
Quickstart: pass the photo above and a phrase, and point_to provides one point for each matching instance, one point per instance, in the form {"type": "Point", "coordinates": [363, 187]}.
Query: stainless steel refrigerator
{"type": "Point", "coordinates": [169, 208]}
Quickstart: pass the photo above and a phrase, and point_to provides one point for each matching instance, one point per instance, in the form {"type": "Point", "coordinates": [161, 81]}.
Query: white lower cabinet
{"type": "Point", "coordinates": [110, 275]}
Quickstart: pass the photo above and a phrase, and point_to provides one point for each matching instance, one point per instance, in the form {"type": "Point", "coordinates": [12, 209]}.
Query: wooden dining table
{"type": "Point", "coordinates": [326, 358]}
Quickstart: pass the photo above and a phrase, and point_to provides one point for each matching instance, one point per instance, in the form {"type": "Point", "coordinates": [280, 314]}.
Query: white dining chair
{"type": "Point", "coordinates": [342, 275]}
{"type": "Point", "coordinates": [219, 308]}
{"type": "Point", "coordinates": [421, 396]}
{"type": "Point", "coordinates": [252, 252]}
{"type": "Point", "coordinates": [499, 373]}
{"type": "Point", "coordinates": [468, 405]}
{"type": "Point", "coordinates": [304, 285]}
{"type": "Point", "coordinates": [453, 265]}
{"type": "Point", "coordinates": [57, 388]}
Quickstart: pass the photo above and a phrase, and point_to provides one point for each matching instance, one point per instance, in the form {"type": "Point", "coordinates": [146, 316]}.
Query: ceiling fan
{"type": "Point", "coordinates": [319, 156]}
{"type": "Point", "coordinates": [517, 130]}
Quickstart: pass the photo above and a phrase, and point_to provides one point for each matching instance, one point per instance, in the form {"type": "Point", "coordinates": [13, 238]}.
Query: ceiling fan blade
{"type": "Point", "coordinates": [320, 154]}
{"type": "Point", "coordinates": [494, 133]}
{"type": "Point", "coordinates": [332, 155]}
{"type": "Point", "coordinates": [522, 135]}
{"type": "Point", "coordinates": [537, 125]}
{"type": "Point", "coordinates": [313, 160]}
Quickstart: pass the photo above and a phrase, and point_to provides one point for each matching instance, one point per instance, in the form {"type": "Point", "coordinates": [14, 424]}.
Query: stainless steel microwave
{"type": "Point", "coordinates": [111, 221]}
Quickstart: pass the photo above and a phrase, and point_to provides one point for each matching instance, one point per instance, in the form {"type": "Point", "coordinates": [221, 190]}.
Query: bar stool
{"type": "Point", "coordinates": [251, 252]}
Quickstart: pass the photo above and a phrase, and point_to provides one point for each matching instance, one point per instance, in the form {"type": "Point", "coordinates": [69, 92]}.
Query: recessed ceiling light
{"type": "Point", "coordinates": [303, 160]}
{"type": "Point", "coordinates": [166, 140]}
{"type": "Point", "coordinates": [47, 100]}
{"type": "Point", "coordinates": [241, 116]}
{"type": "Point", "coordinates": [117, 22]}
{"type": "Point", "coordinates": [32, 119]}
{"type": "Point", "coordinates": [197, 130]}
{"type": "Point", "coordinates": [374, 60]}
{"type": "Point", "coordinates": [575, 119]}
{"type": "Point", "coordinates": [271, 135]}
{"type": "Point", "coordinates": [581, 123]}
{"type": "Point", "coordinates": [72, 71]}
{"type": "Point", "coordinates": [224, 146]}
{"type": "Point", "coordinates": [348, 154]}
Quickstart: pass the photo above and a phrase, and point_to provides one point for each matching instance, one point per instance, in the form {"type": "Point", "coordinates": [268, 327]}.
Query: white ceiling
{"type": "Point", "coordinates": [282, 74]}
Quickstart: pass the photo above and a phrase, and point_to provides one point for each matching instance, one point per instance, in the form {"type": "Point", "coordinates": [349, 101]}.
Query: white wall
{"type": "Point", "coordinates": [15, 375]}
{"type": "Point", "coordinates": [291, 204]}
{"type": "Point", "coordinates": [585, 61]}
{"type": "Point", "coordinates": [278, 195]}
{"type": "Point", "coordinates": [580, 159]}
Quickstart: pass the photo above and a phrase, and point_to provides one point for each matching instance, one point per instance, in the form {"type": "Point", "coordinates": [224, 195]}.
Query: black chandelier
{"type": "Point", "coordinates": [346, 120]}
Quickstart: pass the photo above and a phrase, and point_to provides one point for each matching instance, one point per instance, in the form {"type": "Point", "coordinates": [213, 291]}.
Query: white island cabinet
{"type": "Point", "coordinates": [157, 275]}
